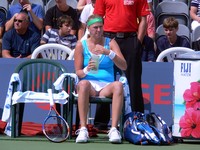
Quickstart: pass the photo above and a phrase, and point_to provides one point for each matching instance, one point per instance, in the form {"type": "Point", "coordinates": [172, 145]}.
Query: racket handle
{"type": "Point", "coordinates": [50, 97]}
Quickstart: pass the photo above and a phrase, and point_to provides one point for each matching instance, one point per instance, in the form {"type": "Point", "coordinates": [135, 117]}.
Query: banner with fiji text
{"type": "Point", "coordinates": [187, 98]}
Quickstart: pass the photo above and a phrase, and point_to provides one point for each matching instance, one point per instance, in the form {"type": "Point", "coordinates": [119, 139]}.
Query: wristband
{"type": "Point", "coordinates": [85, 71]}
{"type": "Point", "coordinates": [112, 55]}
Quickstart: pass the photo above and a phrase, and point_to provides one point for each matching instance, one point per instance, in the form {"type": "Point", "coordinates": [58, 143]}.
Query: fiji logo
{"type": "Point", "coordinates": [186, 69]}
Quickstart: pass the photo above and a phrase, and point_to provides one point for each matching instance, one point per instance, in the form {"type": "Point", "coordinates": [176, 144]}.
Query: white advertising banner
{"type": "Point", "coordinates": [186, 98]}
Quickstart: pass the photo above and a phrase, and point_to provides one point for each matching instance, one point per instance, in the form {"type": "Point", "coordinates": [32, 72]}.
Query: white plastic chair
{"type": "Point", "coordinates": [196, 34]}
{"type": "Point", "coordinates": [172, 53]}
{"type": "Point", "coordinates": [71, 55]}
{"type": "Point", "coordinates": [52, 51]}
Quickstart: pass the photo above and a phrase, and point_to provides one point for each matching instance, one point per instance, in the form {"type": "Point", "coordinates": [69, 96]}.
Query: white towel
{"type": "Point", "coordinates": [8, 101]}
{"type": "Point", "coordinates": [59, 82]}
{"type": "Point", "coordinates": [38, 97]}
{"type": "Point", "coordinates": [127, 102]}
{"type": "Point", "coordinates": [6, 116]}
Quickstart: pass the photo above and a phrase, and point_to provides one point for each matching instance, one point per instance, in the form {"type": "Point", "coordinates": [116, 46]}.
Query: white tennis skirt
{"type": "Point", "coordinates": [98, 86]}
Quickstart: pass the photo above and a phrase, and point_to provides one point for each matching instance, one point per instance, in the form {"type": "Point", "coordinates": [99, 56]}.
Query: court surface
{"type": "Point", "coordinates": [97, 143]}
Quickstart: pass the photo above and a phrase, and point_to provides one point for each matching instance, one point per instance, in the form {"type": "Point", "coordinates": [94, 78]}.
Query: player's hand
{"type": "Point", "coordinates": [99, 49]}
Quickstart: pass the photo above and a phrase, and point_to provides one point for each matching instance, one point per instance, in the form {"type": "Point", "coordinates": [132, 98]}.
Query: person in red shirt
{"type": "Point", "coordinates": [125, 20]}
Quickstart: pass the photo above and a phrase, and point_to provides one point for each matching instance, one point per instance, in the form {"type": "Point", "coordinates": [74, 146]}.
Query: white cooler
{"type": "Point", "coordinates": [186, 118]}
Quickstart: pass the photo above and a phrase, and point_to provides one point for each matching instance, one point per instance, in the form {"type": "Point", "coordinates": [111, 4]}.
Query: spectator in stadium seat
{"type": "Point", "coordinates": [148, 51]}
{"type": "Point", "coordinates": [35, 12]}
{"type": "Point", "coordinates": [195, 13]}
{"type": "Point", "coordinates": [171, 39]}
{"type": "Point", "coordinates": [148, 44]}
{"type": "Point", "coordinates": [86, 12]}
{"type": "Point", "coordinates": [81, 4]}
{"type": "Point", "coordinates": [151, 21]}
{"type": "Point", "coordinates": [61, 8]}
{"type": "Point", "coordinates": [61, 35]}
{"type": "Point", "coordinates": [2, 26]}
{"type": "Point", "coordinates": [20, 41]}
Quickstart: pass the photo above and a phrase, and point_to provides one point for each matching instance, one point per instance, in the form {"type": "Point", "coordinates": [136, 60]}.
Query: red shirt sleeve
{"type": "Point", "coordinates": [143, 8]}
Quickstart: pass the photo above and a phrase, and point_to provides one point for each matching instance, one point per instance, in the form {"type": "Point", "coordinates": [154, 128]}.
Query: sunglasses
{"type": "Point", "coordinates": [17, 20]}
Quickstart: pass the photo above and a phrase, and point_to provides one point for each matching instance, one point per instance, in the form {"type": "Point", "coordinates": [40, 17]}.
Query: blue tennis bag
{"type": "Point", "coordinates": [143, 129]}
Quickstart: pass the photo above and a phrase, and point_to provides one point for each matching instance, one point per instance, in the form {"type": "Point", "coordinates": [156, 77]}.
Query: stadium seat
{"type": "Point", "coordinates": [4, 4]}
{"type": "Point", "coordinates": [185, 1]}
{"type": "Point", "coordinates": [179, 10]}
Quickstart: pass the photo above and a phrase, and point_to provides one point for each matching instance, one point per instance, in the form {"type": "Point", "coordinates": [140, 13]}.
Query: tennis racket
{"type": "Point", "coordinates": [55, 128]}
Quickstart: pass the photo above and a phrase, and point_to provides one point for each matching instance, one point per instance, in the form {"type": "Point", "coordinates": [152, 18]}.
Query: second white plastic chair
{"type": "Point", "coordinates": [172, 53]}
{"type": "Point", "coordinates": [52, 51]}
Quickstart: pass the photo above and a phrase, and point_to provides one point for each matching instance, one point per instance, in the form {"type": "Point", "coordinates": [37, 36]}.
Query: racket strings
{"type": "Point", "coordinates": [56, 129]}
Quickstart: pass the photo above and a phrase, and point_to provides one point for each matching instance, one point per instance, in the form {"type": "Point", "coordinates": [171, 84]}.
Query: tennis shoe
{"type": "Point", "coordinates": [82, 135]}
{"type": "Point", "coordinates": [114, 135]}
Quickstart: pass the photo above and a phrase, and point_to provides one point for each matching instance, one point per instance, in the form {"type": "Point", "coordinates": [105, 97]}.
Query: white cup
{"type": "Point", "coordinates": [95, 58]}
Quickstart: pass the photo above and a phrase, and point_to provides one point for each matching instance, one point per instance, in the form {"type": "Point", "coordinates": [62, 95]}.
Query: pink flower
{"type": "Point", "coordinates": [196, 106]}
{"type": "Point", "coordinates": [190, 123]}
{"type": "Point", "coordinates": [192, 95]}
